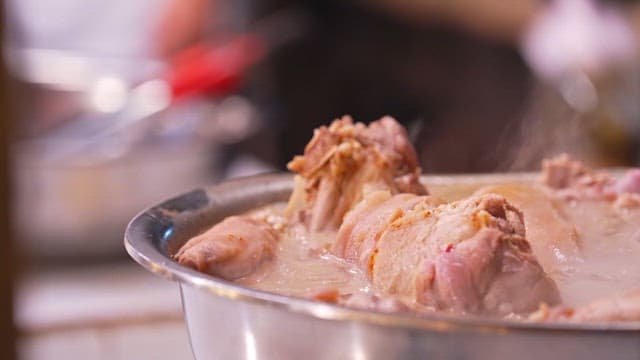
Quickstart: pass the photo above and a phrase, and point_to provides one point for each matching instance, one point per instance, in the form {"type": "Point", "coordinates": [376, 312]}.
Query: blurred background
{"type": "Point", "coordinates": [111, 106]}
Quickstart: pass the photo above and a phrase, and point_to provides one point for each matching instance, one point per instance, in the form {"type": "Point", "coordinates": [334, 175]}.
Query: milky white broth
{"type": "Point", "coordinates": [603, 259]}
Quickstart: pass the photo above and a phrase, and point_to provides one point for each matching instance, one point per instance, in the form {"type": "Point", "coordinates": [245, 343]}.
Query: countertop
{"type": "Point", "coordinates": [109, 311]}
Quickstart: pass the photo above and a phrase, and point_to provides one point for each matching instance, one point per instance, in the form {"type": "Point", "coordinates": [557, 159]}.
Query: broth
{"type": "Point", "coordinates": [603, 262]}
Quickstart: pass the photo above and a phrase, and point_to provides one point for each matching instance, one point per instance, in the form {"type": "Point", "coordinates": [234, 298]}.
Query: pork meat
{"type": "Point", "coordinates": [554, 239]}
{"type": "Point", "coordinates": [469, 256]}
{"type": "Point", "coordinates": [231, 249]}
{"type": "Point", "coordinates": [570, 179]}
{"type": "Point", "coordinates": [346, 159]}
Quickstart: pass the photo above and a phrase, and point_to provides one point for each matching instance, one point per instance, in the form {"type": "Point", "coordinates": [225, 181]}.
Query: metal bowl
{"type": "Point", "coordinates": [228, 321]}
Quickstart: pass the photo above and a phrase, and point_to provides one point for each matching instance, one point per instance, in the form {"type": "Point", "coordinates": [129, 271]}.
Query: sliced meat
{"type": "Point", "coordinates": [363, 226]}
{"type": "Point", "coordinates": [625, 307]}
{"type": "Point", "coordinates": [231, 249]}
{"type": "Point", "coordinates": [344, 160]}
{"type": "Point", "coordinates": [468, 256]}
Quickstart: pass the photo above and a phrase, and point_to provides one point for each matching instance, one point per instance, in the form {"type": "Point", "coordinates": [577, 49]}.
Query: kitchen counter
{"type": "Point", "coordinates": [112, 311]}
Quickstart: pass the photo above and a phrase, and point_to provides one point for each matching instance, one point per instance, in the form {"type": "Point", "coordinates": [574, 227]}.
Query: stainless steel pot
{"type": "Point", "coordinates": [228, 321]}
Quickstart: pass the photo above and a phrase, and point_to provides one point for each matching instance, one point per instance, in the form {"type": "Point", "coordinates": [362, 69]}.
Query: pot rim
{"type": "Point", "coordinates": [142, 245]}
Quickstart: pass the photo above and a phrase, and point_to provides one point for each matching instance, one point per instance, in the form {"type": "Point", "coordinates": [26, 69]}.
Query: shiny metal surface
{"type": "Point", "coordinates": [229, 321]}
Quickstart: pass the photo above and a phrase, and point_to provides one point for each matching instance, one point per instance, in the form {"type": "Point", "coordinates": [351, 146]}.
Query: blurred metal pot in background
{"type": "Point", "coordinates": [74, 197]}
{"type": "Point", "coordinates": [92, 142]}
{"type": "Point", "coordinates": [104, 126]}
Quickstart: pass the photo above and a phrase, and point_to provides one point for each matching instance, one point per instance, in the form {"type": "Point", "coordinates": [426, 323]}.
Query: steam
{"type": "Point", "coordinates": [550, 126]}
{"type": "Point", "coordinates": [580, 48]}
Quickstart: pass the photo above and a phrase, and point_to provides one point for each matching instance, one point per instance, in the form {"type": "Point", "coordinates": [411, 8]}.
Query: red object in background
{"type": "Point", "coordinates": [214, 70]}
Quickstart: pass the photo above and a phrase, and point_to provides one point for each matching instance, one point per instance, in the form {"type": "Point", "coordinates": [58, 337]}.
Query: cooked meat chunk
{"type": "Point", "coordinates": [629, 183]}
{"type": "Point", "coordinates": [231, 249]}
{"type": "Point", "coordinates": [562, 172]}
{"type": "Point", "coordinates": [361, 300]}
{"type": "Point", "coordinates": [344, 160]}
{"type": "Point", "coordinates": [625, 307]}
{"type": "Point", "coordinates": [628, 190]}
{"type": "Point", "coordinates": [469, 256]}
{"type": "Point", "coordinates": [554, 239]}
{"type": "Point", "coordinates": [573, 180]}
